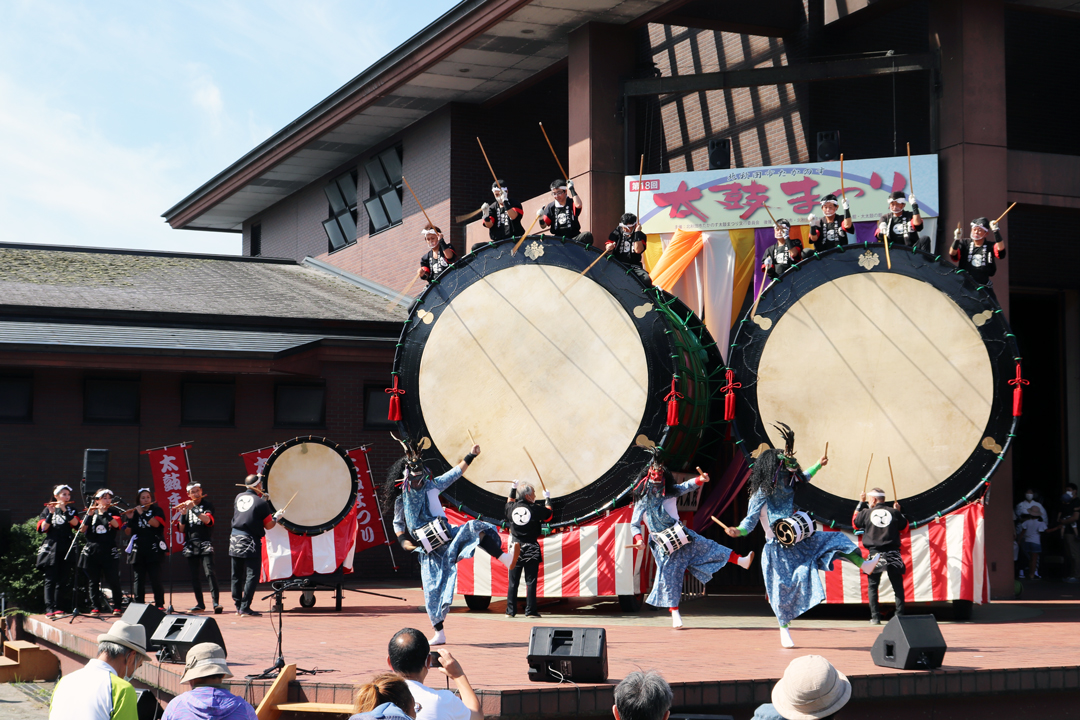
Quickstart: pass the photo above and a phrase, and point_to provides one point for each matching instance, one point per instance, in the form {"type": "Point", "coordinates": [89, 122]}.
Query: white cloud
{"type": "Point", "coordinates": [206, 96]}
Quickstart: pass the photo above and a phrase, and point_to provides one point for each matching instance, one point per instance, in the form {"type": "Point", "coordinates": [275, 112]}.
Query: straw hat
{"type": "Point", "coordinates": [205, 660]}
{"type": "Point", "coordinates": [130, 636]}
{"type": "Point", "coordinates": [811, 688]}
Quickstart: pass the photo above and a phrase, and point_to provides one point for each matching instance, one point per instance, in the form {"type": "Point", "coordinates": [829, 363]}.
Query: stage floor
{"type": "Point", "coordinates": [727, 654]}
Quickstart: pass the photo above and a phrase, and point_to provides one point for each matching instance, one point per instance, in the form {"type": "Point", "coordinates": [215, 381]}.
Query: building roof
{"type": "Point", "coordinates": [199, 286]}
{"type": "Point", "coordinates": [473, 53]}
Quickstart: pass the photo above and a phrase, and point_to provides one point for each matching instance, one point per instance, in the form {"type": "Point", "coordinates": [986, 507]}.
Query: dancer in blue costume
{"type": "Point", "coordinates": [413, 494]}
{"type": "Point", "coordinates": [791, 572]}
{"type": "Point", "coordinates": [654, 502]}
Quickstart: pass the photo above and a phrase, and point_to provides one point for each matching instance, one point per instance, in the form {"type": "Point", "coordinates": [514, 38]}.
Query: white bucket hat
{"type": "Point", "coordinates": [811, 688]}
{"type": "Point", "coordinates": [130, 636]}
{"type": "Point", "coordinates": [205, 660]}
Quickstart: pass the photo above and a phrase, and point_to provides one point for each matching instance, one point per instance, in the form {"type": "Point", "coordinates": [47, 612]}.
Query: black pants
{"type": "Point", "coordinates": [245, 575]}
{"type": "Point", "coordinates": [896, 577]}
{"type": "Point", "coordinates": [140, 571]}
{"type": "Point", "coordinates": [207, 565]}
{"type": "Point", "coordinates": [532, 570]}
{"type": "Point", "coordinates": [55, 577]}
{"type": "Point", "coordinates": [104, 568]}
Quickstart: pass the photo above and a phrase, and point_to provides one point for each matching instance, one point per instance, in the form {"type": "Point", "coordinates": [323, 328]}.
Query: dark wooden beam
{"type": "Point", "coordinates": [701, 23]}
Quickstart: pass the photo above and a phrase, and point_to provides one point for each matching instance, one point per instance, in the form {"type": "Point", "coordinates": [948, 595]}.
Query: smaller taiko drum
{"type": "Point", "coordinates": [792, 530]}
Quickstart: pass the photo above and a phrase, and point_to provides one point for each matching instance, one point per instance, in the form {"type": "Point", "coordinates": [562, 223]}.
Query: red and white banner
{"type": "Point", "coordinates": [369, 523]}
{"type": "Point", "coordinates": [945, 560]}
{"type": "Point", "coordinates": [255, 459]}
{"type": "Point", "coordinates": [589, 560]}
{"type": "Point", "coordinates": [171, 472]}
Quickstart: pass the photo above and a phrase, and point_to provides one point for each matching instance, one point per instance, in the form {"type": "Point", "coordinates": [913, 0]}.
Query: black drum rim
{"type": "Point", "coordinates": [617, 482]}
{"type": "Point", "coordinates": [972, 479]}
{"type": "Point", "coordinates": [354, 484]}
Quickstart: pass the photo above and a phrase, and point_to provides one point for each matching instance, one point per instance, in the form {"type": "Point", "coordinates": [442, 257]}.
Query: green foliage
{"type": "Point", "coordinates": [20, 580]}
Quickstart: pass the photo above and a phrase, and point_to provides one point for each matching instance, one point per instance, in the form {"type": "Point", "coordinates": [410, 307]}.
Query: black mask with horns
{"type": "Point", "coordinates": [774, 465]}
{"type": "Point", "coordinates": [409, 468]}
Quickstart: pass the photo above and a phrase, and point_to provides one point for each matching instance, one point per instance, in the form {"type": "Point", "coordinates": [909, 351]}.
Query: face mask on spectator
{"type": "Point", "coordinates": [1029, 496]}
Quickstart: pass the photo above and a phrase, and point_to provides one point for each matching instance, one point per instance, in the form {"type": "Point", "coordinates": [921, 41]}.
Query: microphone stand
{"type": "Point", "coordinates": [169, 548]}
{"type": "Point", "coordinates": [279, 659]}
{"type": "Point", "coordinates": [75, 570]}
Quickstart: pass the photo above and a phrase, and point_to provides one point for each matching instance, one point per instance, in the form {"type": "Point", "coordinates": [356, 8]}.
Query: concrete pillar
{"type": "Point", "coordinates": [601, 56]}
{"type": "Point", "coordinates": [974, 182]}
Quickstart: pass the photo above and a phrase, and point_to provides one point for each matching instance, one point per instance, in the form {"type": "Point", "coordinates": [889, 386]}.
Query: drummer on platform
{"type": "Point", "coordinates": [627, 243]}
{"type": "Point", "coordinates": [830, 230]}
{"type": "Point", "coordinates": [503, 217]}
{"type": "Point", "coordinates": [438, 257]}
{"type": "Point", "coordinates": [251, 519]}
{"type": "Point", "coordinates": [974, 255]}
{"type": "Point", "coordinates": [562, 213]}
{"type": "Point", "coordinates": [526, 518]}
{"type": "Point", "coordinates": [881, 525]}
{"type": "Point", "coordinates": [787, 251]}
{"type": "Point", "coordinates": [900, 226]}
{"type": "Point", "coordinates": [197, 520]}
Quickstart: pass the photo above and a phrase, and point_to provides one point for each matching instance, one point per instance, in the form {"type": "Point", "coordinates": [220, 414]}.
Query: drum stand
{"type": "Point", "coordinates": [279, 658]}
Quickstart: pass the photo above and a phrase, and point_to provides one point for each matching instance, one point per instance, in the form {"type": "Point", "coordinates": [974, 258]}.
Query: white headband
{"type": "Point", "coordinates": [558, 187]}
{"type": "Point", "coordinates": [102, 491]}
{"type": "Point", "coordinates": [56, 490]}
{"type": "Point", "coordinates": [875, 493]}
{"type": "Point", "coordinates": [826, 202]}
{"type": "Point", "coordinates": [902, 201]}
{"type": "Point", "coordinates": [505, 190]}
{"type": "Point", "coordinates": [193, 485]}
{"type": "Point", "coordinates": [425, 232]}
{"type": "Point", "coordinates": [977, 225]}
{"type": "Point", "coordinates": [142, 490]}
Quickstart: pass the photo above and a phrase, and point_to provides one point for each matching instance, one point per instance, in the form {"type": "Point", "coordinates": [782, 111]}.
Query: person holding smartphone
{"type": "Point", "coordinates": [410, 656]}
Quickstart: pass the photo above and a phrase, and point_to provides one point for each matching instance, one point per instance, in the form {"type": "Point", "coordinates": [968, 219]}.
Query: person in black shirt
{"type": "Point", "coordinates": [1068, 522]}
{"type": "Point", "coordinates": [197, 520]}
{"type": "Point", "coordinates": [438, 257]}
{"type": "Point", "coordinates": [58, 520]}
{"type": "Point", "coordinates": [974, 255]}
{"type": "Point", "coordinates": [881, 526]}
{"type": "Point", "coordinates": [503, 218]}
{"type": "Point", "coordinates": [899, 225]}
{"type": "Point", "coordinates": [251, 519]}
{"type": "Point", "coordinates": [526, 517]}
{"type": "Point", "coordinates": [100, 555]}
{"type": "Point", "coordinates": [787, 251]}
{"type": "Point", "coordinates": [560, 216]}
{"type": "Point", "coordinates": [146, 524]}
{"type": "Point", "coordinates": [830, 231]}
{"type": "Point", "coordinates": [627, 243]}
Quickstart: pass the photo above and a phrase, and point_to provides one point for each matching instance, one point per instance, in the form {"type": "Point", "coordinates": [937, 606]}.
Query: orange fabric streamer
{"type": "Point", "coordinates": [680, 252]}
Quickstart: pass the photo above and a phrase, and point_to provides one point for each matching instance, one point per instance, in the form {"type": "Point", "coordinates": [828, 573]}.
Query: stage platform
{"type": "Point", "coordinates": [725, 660]}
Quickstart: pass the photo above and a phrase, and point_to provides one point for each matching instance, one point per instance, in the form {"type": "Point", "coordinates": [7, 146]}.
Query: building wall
{"type": "Point", "coordinates": [58, 436]}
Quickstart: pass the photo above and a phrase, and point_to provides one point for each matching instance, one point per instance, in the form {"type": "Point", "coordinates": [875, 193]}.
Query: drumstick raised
{"type": "Point", "coordinates": [842, 195]}
{"type": "Point", "coordinates": [403, 293]}
{"type": "Point", "coordinates": [557, 161]}
{"type": "Point", "coordinates": [290, 501]}
{"type": "Point", "coordinates": [911, 179]}
{"type": "Point", "coordinates": [867, 480]}
{"type": "Point", "coordinates": [713, 518]}
{"type": "Point", "coordinates": [514, 250]}
{"type": "Point", "coordinates": [1005, 213]}
{"type": "Point", "coordinates": [640, 177]}
{"type": "Point", "coordinates": [469, 430]}
{"type": "Point", "coordinates": [536, 469]}
{"type": "Point", "coordinates": [826, 449]}
{"type": "Point", "coordinates": [894, 495]}
{"type": "Point", "coordinates": [430, 224]}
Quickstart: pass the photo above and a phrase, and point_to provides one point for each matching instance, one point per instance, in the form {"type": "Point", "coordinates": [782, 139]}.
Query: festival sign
{"type": "Point", "coordinates": [171, 472]}
{"type": "Point", "coordinates": [369, 521]}
{"type": "Point", "coordinates": [255, 459]}
{"type": "Point", "coordinates": [730, 199]}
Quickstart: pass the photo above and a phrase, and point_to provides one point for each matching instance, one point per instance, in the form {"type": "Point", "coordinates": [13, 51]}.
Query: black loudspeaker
{"type": "Point", "coordinates": [719, 154]}
{"type": "Point", "coordinates": [578, 654]}
{"type": "Point", "coordinates": [147, 706]}
{"type": "Point", "coordinates": [146, 615]}
{"type": "Point", "coordinates": [176, 634]}
{"type": "Point", "coordinates": [910, 642]}
{"type": "Point", "coordinates": [95, 468]}
{"type": "Point", "coordinates": [828, 145]}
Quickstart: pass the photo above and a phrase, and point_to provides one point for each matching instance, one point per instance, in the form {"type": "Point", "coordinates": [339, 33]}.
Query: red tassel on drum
{"type": "Point", "coordinates": [672, 399]}
{"type": "Point", "coordinates": [395, 403]}
{"type": "Point", "coordinates": [1018, 384]}
{"type": "Point", "coordinates": [729, 395]}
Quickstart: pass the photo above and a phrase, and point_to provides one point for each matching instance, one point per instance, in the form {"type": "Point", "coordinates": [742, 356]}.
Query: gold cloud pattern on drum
{"type": "Point", "coordinates": [534, 250]}
{"type": "Point", "coordinates": [760, 449]}
{"type": "Point", "coordinates": [425, 316]}
{"type": "Point", "coordinates": [869, 260]}
{"type": "Point", "coordinates": [990, 444]}
{"type": "Point", "coordinates": [644, 442]}
{"type": "Point", "coordinates": [982, 318]}
{"type": "Point", "coordinates": [425, 443]}
{"type": "Point", "coordinates": [641, 310]}
{"type": "Point", "coordinates": [764, 322]}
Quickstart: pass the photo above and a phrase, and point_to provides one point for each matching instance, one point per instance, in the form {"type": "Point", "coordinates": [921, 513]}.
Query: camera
{"type": "Point", "coordinates": [434, 660]}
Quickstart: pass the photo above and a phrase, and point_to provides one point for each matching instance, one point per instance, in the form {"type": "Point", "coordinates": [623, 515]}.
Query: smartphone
{"type": "Point", "coordinates": [434, 660]}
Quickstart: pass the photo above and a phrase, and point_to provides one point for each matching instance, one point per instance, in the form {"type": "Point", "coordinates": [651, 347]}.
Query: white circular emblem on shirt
{"type": "Point", "coordinates": [99, 529]}
{"type": "Point", "coordinates": [521, 515]}
{"type": "Point", "coordinates": [244, 502]}
{"type": "Point", "coordinates": [881, 517]}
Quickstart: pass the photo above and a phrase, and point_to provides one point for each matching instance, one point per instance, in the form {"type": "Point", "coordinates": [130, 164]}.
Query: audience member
{"type": "Point", "coordinates": [811, 689]}
{"type": "Point", "coordinates": [642, 696]}
{"type": "Point", "coordinates": [1068, 516]}
{"type": "Point", "coordinates": [384, 697]}
{"type": "Point", "coordinates": [1030, 533]}
{"type": "Point", "coordinates": [410, 657]}
{"type": "Point", "coordinates": [102, 689]}
{"type": "Point", "coordinates": [205, 671]}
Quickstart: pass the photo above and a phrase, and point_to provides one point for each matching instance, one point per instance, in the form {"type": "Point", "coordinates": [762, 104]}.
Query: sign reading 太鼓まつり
{"type": "Point", "coordinates": [727, 199]}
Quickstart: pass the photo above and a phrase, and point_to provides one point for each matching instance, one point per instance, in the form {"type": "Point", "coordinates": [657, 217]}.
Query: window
{"type": "Point", "coordinates": [207, 403]}
{"type": "Point", "coordinates": [384, 199]}
{"type": "Point", "coordinates": [377, 408]}
{"type": "Point", "coordinates": [16, 398]}
{"type": "Point", "coordinates": [341, 227]}
{"type": "Point", "coordinates": [256, 240]}
{"type": "Point", "coordinates": [300, 405]}
{"type": "Point", "coordinates": [111, 401]}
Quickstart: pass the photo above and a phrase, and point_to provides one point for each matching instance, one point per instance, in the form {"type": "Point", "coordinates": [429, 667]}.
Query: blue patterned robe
{"type": "Point", "coordinates": [438, 569]}
{"type": "Point", "coordinates": [702, 557]}
{"type": "Point", "coordinates": [791, 573]}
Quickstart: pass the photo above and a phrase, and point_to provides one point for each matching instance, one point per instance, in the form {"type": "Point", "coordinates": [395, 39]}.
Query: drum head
{"type": "Point", "coordinates": [314, 480]}
{"type": "Point", "coordinates": [523, 353]}
{"type": "Point", "coordinates": [910, 365]}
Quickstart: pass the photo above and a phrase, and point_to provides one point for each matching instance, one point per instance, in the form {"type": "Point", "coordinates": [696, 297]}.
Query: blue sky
{"type": "Point", "coordinates": [111, 112]}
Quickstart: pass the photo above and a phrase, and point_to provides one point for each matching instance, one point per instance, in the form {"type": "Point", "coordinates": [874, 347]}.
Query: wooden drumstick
{"type": "Point", "coordinates": [770, 215]}
{"type": "Point", "coordinates": [640, 177]}
{"type": "Point", "coordinates": [518, 243]}
{"type": "Point", "coordinates": [536, 469]}
{"type": "Point", "coordinates": [290, 501]}
{"type": "Point", "coordinates": [600, 257]}
{"type": "Point", "coordinates": [430, 224]}
{"type": "Point", "coordinates": [557, 162]}
{"type": "Point", "coordinates": [826, 449]}
{"type": "Point", "coordinates": [894, 495]}
{"type": "Point", "coordinates": [867, 480]}
{"type": "Point", "coordinates": [493, 175]}
{"type": "Point", "coordinates": [470, 435]}
{"type": "Point", "coordinates": [469, 216]}
{"type": "Point", "coordinates": [713, 518]}
{"type": "Point", "coordinates": [403, 293]}
{"type": "Point", "coordinates": [842, 195]}
{"type": "Point", "coordinates": [1005, 213]}
{"type": "Point", "coordinates": [911, 178]}
{"type": "Point", "coordinates": [498, 481]}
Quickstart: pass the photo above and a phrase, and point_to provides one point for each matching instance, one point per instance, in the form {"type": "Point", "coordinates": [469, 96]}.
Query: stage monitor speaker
{"type": "Point", "coordinates": [176, 634]}
{"type": "Point", "coordinates": [147, 706]}
{"type": "Point", "coordinates": [828, 145]}
{"type": "Point", "coordinates": [146, 615]}
{"type": "Point", "coordinates": [719, 154]}
{"type": "Point", "coordinates": [910, 642]}
{"type": "Point", "coordinates": [577, 654]}
{"type": "Point", "coordinates": [95, 468]}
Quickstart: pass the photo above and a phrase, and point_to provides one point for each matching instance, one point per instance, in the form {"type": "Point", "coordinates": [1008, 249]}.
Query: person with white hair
{"type": "Point", "coordinates": [58, 520]}
{"type": "Point", "coordinates": [642, 696]}
{"type": "Point", "coordinates": [526, 518]}
{"type": "Point", "coordinates": [102, 690]}
{"type": "Point", "coordinates": [205, 671]}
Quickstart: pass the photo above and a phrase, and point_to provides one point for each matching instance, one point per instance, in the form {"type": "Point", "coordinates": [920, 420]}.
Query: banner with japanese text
{"type": "Point", "coordinates": [171, 472]}
{"type": "Point", "coordinates": [255, 459]}
{"type": "Point", "coordinates": [369, 524]}
{"type": "Point", "coordinates": [731, 199]}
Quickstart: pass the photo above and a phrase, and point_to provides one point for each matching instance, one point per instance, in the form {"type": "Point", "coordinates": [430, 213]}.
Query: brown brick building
{"type": "Point", "coordinates": [975, 81]}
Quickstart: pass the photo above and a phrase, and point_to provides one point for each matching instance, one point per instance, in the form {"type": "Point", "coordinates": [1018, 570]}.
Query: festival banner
{"type": "Point", "coordinates": [171, 472]}
{"type": "Point", "coordinates": [369, 521]}
{"type": "Point", "coordinates": [730, 199]}
{"type": "Point", "coordinates": [255, 459]}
